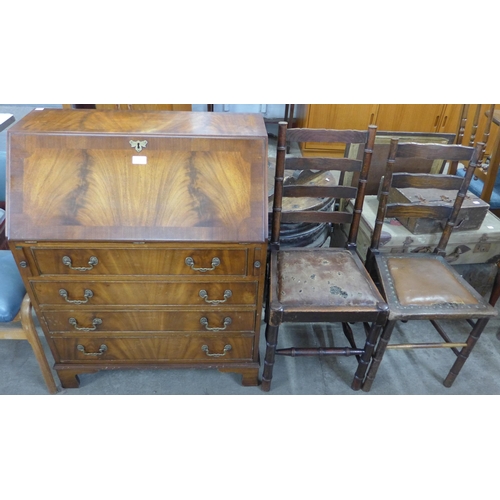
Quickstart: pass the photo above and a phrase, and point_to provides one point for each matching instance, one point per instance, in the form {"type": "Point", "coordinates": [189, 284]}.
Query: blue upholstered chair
{"type": "Point", "coordinates": [477, 185]}
{"type": "Point", "coordinates": [16, 320]}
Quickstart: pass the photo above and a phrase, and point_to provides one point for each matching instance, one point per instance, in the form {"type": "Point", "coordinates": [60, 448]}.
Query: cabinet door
{"type": "Point", "coordinates": [410, 117]}
{"type": "Point", "coordinates": [450, 119]}
{"type": "Point", "coordinates": [336, 116]}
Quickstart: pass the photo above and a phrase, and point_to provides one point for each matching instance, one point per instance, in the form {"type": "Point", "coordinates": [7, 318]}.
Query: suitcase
{"type": "Point", "coordinates": [464, 247]}
{"type": "Point", "coordinates": [471, 215]}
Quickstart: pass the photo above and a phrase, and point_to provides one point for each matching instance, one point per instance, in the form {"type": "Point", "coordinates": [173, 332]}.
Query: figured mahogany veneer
{"type": "Point", "coordinates": [142, 256]}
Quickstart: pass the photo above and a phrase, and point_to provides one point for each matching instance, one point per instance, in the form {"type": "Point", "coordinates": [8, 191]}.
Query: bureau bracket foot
{"type": "Point", "coordinates": [69, 378]}
{"type": "Point", "coordinates": [250, 376]}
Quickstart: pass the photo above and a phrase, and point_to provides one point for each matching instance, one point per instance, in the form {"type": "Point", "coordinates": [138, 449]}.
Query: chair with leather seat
{"type": "Point", "coordinates": [321, 285]}
{"type": "Point", "coordinates": [16, 320]}
{"type": "Point", "coordinates": [423, 286]}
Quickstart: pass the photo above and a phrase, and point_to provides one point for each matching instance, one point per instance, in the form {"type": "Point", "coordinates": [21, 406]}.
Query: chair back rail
{"type": "Point", "coordinates": [319, 191]}
{"type": "Point", "coordinates": [426, 181]}
{"type": "Point", "coordinates": [339, 164]}
{"type": "Point", "coordinates": [326, 135]}
{"type": "Point", "coordinates": [450, 152]}
{"type": "Point", "coordinates": [318, 217]}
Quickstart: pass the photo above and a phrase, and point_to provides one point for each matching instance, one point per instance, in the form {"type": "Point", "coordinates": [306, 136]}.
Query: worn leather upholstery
{"type": "Point", "coordinates": [12, 289]}
{"type": "Point", "coordinates": [426, 282]}
{"type": "Point", "coordinates": [336, 280]}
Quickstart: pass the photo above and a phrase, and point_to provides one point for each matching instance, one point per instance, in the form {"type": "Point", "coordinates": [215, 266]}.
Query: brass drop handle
{"type": "Point", "coordinates": [88, 294]}
{"type": "Point", "coordinates": [190, 262]}
{"type": "Point", "coordinates": [102, 350]}
{"type": "Point", "coordinates": [204, 322]}
{"type": "Point", "coordinates": [204, 295]}
{"type": "Point", "coordinates": [95, 322]}
{"type": "Point", "coordinates": [227, 348]}
{"type": "Point", "coordinates": [92, 262]}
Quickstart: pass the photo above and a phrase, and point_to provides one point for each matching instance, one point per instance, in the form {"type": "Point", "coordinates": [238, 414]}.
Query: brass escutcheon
{"type": "Point", "coordinates": [138, 145]}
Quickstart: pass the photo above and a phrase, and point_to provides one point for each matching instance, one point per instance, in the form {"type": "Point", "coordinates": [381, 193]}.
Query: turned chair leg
{"type": "Point", "coordinates": [271, 343]}
{"type": "Point", "coordinates": [464, 353]}
{"type": "Point", "coordinates": [364, 360]}
{"type": "Point", "coordinates": [495, 292]}
{"type": "Point", "coordinates": [379, 353]}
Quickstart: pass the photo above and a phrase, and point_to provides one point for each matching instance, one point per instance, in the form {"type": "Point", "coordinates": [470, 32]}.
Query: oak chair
{"type": "Point", "coordinates": [321, 285]}
{"type": "Point", "coordinates": [16, 320]}
{"type": "Point", "coordinates": [423, 286]}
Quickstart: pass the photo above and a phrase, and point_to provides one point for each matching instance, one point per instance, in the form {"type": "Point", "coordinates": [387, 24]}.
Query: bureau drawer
{"type": "Point", "coordinates": [149, 321]}
{"type": "Point", "coordinates": [142, 261]}
{"type": "Point", "coordinates": [146, 293]}
{"type": "Point", "coordinates": [208, 348]}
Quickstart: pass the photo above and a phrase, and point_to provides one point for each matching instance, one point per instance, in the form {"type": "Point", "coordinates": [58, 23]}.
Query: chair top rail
{"type": "Point", "coordinates": [450, 152]}
{"type": "Point", "coordinates": [319, 163]}
{"type": "Point", "coordinates": [293, 191]}
{"type": "Point", "coordinates": [313, 216]}
{"type": "Point", "coordinates": [326, 135]}
{"type": "Point", "coordinates": [426, 181]}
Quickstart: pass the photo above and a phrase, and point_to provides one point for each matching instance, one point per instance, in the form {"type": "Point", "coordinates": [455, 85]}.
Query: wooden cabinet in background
{"type": "Point", "coordinates": [387, 117]}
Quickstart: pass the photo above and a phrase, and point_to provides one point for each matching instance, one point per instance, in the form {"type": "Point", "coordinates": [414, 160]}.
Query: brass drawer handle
{"type": "Point", "coordinates": [92, 262]}
{"type": "Point", "coordinates": [102, 350]}
{"type": "Point", "coordinates": [204, 295]}
{"type": "Point", "coordinates": [88, 294]}
{"type": "Point", "coordinates": [204, 322]}
{"type": "Point", "coordinates": [95, 322]}
{"type": "Point", "coordinates": [190, 262]}
{"type": "Point", "coordinates": [227, 348]}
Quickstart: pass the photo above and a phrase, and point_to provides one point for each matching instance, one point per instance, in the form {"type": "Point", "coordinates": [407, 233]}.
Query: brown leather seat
{"type": "Point", "coordinates": [323, 278]}
{"type": "Point", "coordinates": [426, 282]}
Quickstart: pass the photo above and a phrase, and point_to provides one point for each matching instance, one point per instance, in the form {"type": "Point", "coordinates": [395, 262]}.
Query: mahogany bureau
{"type": "Point", "coordinates": [141, 237]}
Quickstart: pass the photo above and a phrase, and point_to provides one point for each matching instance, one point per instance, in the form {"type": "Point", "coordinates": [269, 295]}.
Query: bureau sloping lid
{"type": "Point", "coordinates": [137, 176]}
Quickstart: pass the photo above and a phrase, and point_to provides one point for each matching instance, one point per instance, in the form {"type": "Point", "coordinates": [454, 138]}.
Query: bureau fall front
{"type": "Point", "coordinates": [141, 237]}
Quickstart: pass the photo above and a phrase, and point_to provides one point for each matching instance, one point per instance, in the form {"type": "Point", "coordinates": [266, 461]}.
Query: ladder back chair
{"type": "Point", "coordinates": [321, 285]}
{"type": "Point", "coordinates": [423, 286]}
